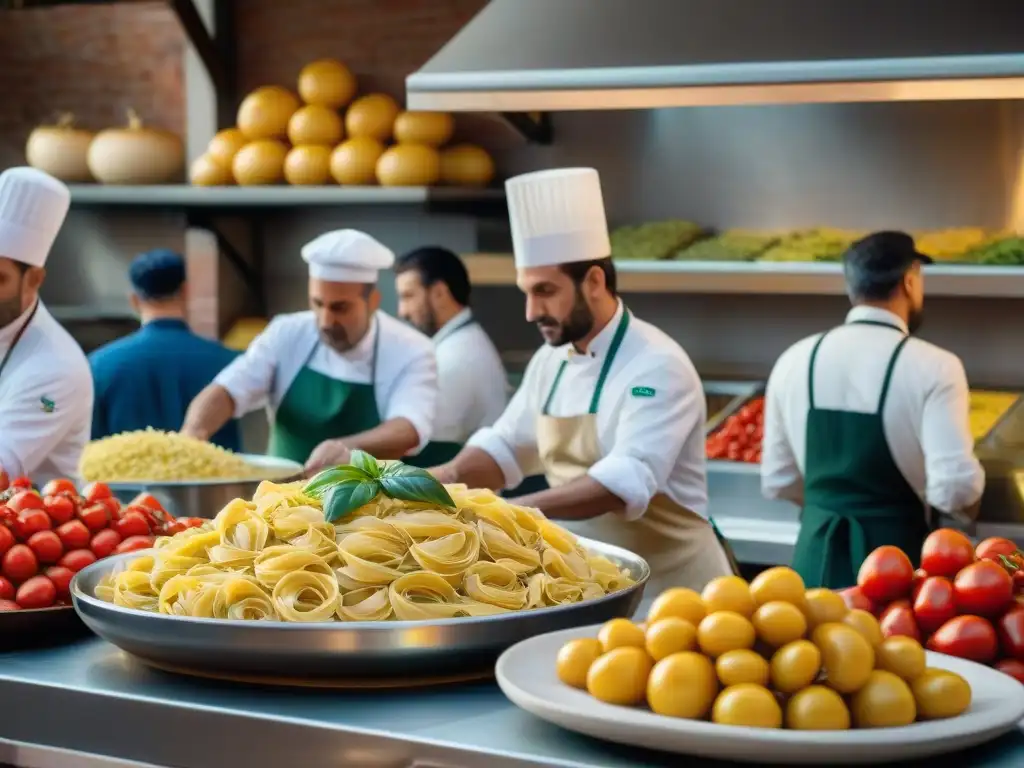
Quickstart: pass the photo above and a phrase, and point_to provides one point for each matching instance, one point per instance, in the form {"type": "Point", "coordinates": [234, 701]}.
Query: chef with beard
{"type": "Point", "coordinates": [46, 390]}
{"type": "Point", "coordinates": [611, 410]}
{"type": "Point", "coordinates": [866, 427]}
{"type": "Point", "coordinates": [340, 376]}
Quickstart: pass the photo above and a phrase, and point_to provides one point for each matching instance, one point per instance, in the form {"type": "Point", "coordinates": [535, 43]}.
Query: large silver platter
{"type": "Point", "coordinates": [338, 650]}
{"type": "Point", "coordinates": [205, 498]}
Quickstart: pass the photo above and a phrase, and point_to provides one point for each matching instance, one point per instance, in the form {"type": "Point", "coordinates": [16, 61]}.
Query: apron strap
{"type": "Point", "coordinates": [810, 369]}
{"type": "Point", "coordinates": [373, 358]}
{"type": "Point", "coordinates": [554, 386]}
{"type": "Point", "coordinates": [888, 374]}
{"type": "Point", "coordinates": [17, 337]}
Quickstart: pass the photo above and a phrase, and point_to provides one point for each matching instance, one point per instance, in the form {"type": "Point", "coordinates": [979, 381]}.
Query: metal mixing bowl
{"type": "Point", "coordinates": [205, 498]}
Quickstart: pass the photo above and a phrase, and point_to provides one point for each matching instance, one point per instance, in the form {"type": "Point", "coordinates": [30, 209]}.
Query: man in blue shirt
{"type": "Point", "coordinates": [148, 378]}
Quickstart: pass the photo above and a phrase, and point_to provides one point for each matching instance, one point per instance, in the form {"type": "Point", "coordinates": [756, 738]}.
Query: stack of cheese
{"type": "Point", "coordinates": [327, 134]}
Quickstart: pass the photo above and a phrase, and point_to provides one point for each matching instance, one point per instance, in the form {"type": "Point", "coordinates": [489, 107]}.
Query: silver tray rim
{"type": "Point", "coordinates": [84, 583]}
{"type": "Point", "coordinates": [290, 470]}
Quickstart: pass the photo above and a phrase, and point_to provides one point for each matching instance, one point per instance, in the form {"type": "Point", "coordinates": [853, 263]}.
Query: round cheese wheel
{"type": "Point", "coordinates": [264, 113]}
{"type": "Point", "coordinates": [327, 83]}
{"type": "Point", "coordinates": [434, 129]}
{"type": "Point", "coordinates": [136, 154]}
{"type": "Point", "coordinates": [372, 116]}
{"type": "Point", "coordinates": [209, 171]}
{"type": "Point", "coordinates": [61, 150]}
{"type": "Point", "coordinates": [260, 162]}
{"type": "Point", "coordinates": [466, 165]}
{"type": "Point", "coordinates": [308, 165]}
{"type": "Point", "coordinates": [225, 145]}
{"type": "Point", "coordinates": [409, 165]}
{"type": "Point", "coordinates": [315, 124]}
{"type": "Point", "coordinates": [355, 161]}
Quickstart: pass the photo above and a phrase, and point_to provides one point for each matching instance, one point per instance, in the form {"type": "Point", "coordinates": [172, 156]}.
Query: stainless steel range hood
{"type": "Point", "coordinates": [550, 55]}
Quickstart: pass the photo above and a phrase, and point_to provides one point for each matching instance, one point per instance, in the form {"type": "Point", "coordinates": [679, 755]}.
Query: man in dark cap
{"type": "Point", "coordinates": [147, 379]}
{"type": "Point", "coordinates": [866, 427]}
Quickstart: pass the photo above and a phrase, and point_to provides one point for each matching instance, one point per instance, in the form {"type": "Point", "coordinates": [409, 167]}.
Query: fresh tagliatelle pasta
{"type": "Point", "coordinates": [277, 558]}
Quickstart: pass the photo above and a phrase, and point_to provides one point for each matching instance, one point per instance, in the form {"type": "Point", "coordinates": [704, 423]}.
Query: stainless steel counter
{"type": "Point", "coordinates": [90, 698]}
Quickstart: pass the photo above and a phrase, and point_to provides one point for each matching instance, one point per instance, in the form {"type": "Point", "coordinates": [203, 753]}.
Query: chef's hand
{"type": "Point", "coordinates": [330, 453]}
{"type": "Point", "coordinates": [445, 473]}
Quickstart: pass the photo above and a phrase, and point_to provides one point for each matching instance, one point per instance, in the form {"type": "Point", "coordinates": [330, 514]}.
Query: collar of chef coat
{"type": "Point", "coordinates": [875, 315]}
{"type": "Point", "coordinates": [8, 332]}
{"type": "Point", "coordinates": [452, 325]}
{"type": "Point", "coordinates": [601, 343]}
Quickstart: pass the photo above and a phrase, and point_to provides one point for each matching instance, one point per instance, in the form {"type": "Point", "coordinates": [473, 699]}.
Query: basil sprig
{"type": "Point", "coordinates": [345, 488]}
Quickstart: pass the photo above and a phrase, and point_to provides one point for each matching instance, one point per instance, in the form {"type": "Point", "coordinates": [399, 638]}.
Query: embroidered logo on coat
{"type": "Point", "coordinates": [47, 404]}
{"type": "Point", "coordinates": [643, 392]}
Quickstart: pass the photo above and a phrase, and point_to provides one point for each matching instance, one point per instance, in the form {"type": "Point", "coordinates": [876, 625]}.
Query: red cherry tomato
{"type": "Point", "coordinates": [47, 546]}
{"type": "Point", "coordinates": [134, 544]}
{"type": "Point", "coordinates": [24, 500]}
{"type": "Point", "coordinates": [5, 481]}
{"type": "Point", "coordinates": [96, 517]}
{"type": "Point", "coordinates": [1010, 629]}
{"type": "Point", "coordinates": [61, 578]}
{"type": "Point", "coordinates": [6, 589]}
{"type": "Point", "coordinates": [886, 574]}
{"type": "Point", "coordinates": [195, 522]}
{"type": "Point", "coordinates": [31, 521]}
{"type": "Point", "coordinates": [934, 604]}
{"type": "Point", "coordinates": [172, 528]}
{"type": "Point", "coordinates": [7, 539]}
{"type": "Point", "coordinates": [946, 552]}
{"type": "Point", "coordinates": [93, 492]}
{"type": "Point", "coordinates": [9, 605]}
{"type": "Point", "coordinates": [855, 598]}
{"type": "Point", "coordinates": [74, 535]}
{"type": "Point", "coordinates": [104, 543]}
{"type": "Point", "coordinates": [149, 501]}
{"type": "Point", "coordinates": [898, 619]}
{"type": "Point", "coordinates": [59, 508]}
{"type": "Point", "coordinates": [37, 592]}
{"type": "Point", "coordinates": [19, 563]}
{"type": "Point", "coordinates": [966, 637]}
{"type": "Point", "coordinates": [915, 586]}
{"type": "Point", "coordinates": [61, 485]}
{"type": "Point", "coordinates": [21, 483]}
{"type": "Point", "coordinates": [1011, 667]}
{"type": "Point", "coordinates": [113, 507]}
{"type": "Point", "coordinates": [132, 523]}
{"type": "Point", "coordinates": [983, 588]}
{"type": "Point", "coordinates": [992, 548]}
{"type": "Point", "coordinates": [7, 515]}
{"type": "Point", "coordinates": [77, 559]}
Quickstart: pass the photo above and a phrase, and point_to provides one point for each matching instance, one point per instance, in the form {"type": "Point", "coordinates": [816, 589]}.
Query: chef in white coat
{"type": "Point", "coordinates": [46, 390]}
{"type": "Point", "coordinates": [434, 295]}
{"type": "Point", "coordinates": [340, 376]}
{"type": "Point", "coordinates": [611, 409]}
{"type": "Point", "coordinates": [867, 426]}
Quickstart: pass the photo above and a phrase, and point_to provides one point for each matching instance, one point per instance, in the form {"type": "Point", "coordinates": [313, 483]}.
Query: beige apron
{"type": "Point", "coordinates": [682, 548]}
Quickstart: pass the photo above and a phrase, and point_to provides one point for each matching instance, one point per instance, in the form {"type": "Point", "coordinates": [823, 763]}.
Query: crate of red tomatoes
{"type": "Point", "coordinates": [739, 437]}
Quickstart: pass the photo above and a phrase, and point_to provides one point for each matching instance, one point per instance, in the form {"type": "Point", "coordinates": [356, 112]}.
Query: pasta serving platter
{"type": "Point", "coordinates": [413, 580]}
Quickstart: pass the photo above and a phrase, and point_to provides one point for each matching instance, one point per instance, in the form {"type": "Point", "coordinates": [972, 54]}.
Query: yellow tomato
{"type": "Point", "coordinates": [668, 636]}
{"type": "Point", "coordinates": [778, 583]}
{"type": "Point", "coordinates": [778, 623]}
{"type": "Point", "coordinates": [750, 705]}
{"type": "Point", "coordinates": [620, 633]}
{"type": "Point", "coordinates": [817, 708]}
{"type": "Point", "coordinates": [682, 685]}
{"type": "Point", "coordinates": [900, 655]}
{"type": "Point", "coordinates": [724, 631]}
{"type": "Point", "coordinates": [574, 660]}
{"type": "Point", "coordinates": [728, 593]}
{"type": "Point", "coordinates": [940, 693]}
{"type": "Point", "coordinates": [884, 701]}
{"type": "Point", "coordinates": [742, 666]}
{"type": "Point", "coordinates": [866, 624]}
{"type": "Point", "coordinates": [846, 655]}
{"type": "Point", "coordinates": [795, 666]}
{"type": "Point", "coordinates": [679, 602]}
{"type": "Point", "coordinates": [824, 606]}
{"type": "Point", "coordinates": [620, 676]}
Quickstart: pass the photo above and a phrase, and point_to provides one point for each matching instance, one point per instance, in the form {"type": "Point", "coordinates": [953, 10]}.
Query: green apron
{"type": "Point", "coordinates": [317, 408]}
{"type": "Point", "coordinates": [855, 497]}
{"type": "Point", "coordinates": [438, 452]}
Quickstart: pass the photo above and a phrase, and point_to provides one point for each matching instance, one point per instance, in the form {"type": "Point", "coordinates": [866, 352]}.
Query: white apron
{"type": "Point", "coordinates": [682, 548]}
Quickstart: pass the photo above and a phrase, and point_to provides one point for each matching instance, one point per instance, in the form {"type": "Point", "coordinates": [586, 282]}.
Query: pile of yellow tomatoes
{"type": "Point", "coordinates": [767, 654]}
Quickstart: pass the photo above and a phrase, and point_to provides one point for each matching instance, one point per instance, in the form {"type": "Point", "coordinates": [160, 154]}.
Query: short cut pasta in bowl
{"type": "Point", "coordinates": [369, 569]}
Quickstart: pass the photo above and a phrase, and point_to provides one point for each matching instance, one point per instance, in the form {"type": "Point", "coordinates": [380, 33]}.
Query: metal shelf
{"type": "Point", "coordinates": [775, 278]}
{"type": "Point", "coordinates": [89, 313]}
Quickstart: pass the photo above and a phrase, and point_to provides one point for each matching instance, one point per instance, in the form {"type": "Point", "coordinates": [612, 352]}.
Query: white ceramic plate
{"type": "Point", "coordinates": [526, 674]}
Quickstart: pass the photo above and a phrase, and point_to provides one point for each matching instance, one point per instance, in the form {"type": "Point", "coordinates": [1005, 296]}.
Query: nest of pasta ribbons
{"type": "Point", "coordinates": [369, 541]}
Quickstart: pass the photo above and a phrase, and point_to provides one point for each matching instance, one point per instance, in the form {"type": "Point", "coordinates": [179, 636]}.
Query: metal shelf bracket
{"type": "Point", "coordinates": [535, 127]}
{"type": "Point", "coordinates": [215, 51]}
{"type": "Point", "coordinates": [251, 274]}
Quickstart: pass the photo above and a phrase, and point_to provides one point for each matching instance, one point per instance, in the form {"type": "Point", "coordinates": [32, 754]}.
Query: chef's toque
{"type": "Point", "coordinates": [33, 206]}
{"type": "Point", "coordinates": [346, 256]}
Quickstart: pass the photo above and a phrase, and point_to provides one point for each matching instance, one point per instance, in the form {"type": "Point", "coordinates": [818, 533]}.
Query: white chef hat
{"type": "Point", "coordinates": [557, 217]}
{"type": "Point", "coordinates": [33, 205]}
{"type": "Point", "coordinates": [346, 256]}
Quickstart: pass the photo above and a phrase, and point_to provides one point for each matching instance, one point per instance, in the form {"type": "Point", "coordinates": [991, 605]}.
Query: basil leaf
{"type": "Point", "coordinates": [364, 461]}
{"type": "Point", "coordinates": [322, 481]}
{"type": "Point", "coordinates": [344, 498]}
{"type": "Point", "coordinates": [401, 481]}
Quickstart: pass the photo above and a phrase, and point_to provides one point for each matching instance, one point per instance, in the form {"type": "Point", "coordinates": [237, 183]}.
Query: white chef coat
{"type": "Point", "coordinates": [46, 396]}
{"type": "Point", "coordinates": [472, 386]}
{"type": "Point", "coordinates": [651, 445]}
{"type": "Point", "coordinates": [406, 385]}
{"type": "Point", "coordinates": [926, 416]}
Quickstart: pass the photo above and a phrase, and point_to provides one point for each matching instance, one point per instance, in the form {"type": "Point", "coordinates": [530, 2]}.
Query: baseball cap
{"type": "Point", "coordinates": [882, 255]}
